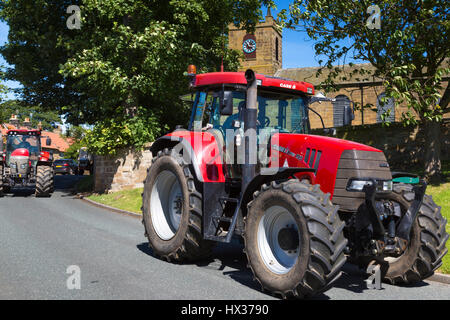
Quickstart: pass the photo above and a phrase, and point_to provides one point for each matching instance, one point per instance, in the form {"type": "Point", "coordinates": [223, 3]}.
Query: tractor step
{"type": "Point", "coordinates": [216, 204]}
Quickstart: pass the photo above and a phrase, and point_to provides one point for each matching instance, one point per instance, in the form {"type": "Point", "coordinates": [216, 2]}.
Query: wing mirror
{"type": "Point", "coordinates": [226, 103]}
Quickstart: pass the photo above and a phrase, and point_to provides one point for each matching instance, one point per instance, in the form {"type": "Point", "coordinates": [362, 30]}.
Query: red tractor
{"type": "Point", "coordinates": [304, 204]}
{"type": "Point", "coordinates": [23, 164]}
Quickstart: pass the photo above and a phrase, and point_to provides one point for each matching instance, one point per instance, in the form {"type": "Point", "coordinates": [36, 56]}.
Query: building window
{"type": "Point", "coordinates": [386, 109]}
{"type": "Point", "coordinates": [338, 109]}
{"type": "Point", "coordinates": [276, 49]}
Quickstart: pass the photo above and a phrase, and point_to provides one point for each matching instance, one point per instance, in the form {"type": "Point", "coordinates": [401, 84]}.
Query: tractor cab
{"type": "Point", "coordinates": [282, 105]}
{"type": "Point", "coordinates": [23, 143]}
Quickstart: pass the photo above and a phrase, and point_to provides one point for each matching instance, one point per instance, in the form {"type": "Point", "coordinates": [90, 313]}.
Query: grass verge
{"type": "Point", "coordinates": [129, 200]}
{"type": "Point", "coordinates": [441, 195]}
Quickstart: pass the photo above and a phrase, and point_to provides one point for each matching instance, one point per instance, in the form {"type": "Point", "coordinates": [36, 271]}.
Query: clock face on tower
{"type": "Point", "coordinates": [249, 46]}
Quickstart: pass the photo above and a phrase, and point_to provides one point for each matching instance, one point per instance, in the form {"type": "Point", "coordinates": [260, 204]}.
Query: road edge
{"type": "Point", "coordinates": [104, 206]}
{"type": "Point", "coordinates": [436, 277]}
{"type": "Point", "coordinates": [440, 277]}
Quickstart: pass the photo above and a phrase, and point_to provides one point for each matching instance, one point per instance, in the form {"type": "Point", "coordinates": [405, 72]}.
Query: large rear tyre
{"type": "Point", "coordinates": [427, 241]}
{"type": "Point", "coordinates": [294, 239]}
{"type": "Point", "coordinates": [44, 181]}
{"type": "Point", "coordinates": [172, 211]}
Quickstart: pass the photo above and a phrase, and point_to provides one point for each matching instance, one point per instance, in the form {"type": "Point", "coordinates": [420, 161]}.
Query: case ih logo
{"type": "Point", "coordinates": [286, 85]}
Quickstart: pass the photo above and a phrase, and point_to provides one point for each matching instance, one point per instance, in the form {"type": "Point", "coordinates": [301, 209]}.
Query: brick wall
{"type": "Point", "coordinates": [127, 170]}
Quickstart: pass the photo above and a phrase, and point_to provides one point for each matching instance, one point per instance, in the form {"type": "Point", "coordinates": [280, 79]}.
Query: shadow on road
{"type": "Point", "coordinates": [232, 262]}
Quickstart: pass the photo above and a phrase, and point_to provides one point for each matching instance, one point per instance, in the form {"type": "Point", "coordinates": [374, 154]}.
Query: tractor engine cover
{"type": "Point", "coordinates": [19, 161]}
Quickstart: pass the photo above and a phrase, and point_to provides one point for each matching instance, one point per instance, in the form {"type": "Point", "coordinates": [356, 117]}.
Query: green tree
{"type": "Point", "coordinates": [409, 51]}
{"type": "Point", "coordinates": [48, 119]}
{"type": "Point", "coordinates": [78, 136]}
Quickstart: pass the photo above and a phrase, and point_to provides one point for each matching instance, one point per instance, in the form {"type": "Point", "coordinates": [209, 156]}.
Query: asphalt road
{"type": "Point", "coordinates": [40, 238]}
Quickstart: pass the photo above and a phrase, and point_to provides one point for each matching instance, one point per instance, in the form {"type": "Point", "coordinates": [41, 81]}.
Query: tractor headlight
{"type": "Point", "coordinates": [387, 185]}
{"type": "Point", "coordinates": [358, 185]}
{"type": "Point", "coordinates": [13, 165]}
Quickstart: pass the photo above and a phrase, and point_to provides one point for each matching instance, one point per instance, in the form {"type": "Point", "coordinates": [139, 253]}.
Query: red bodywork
{"type": "Point", "coordinates": [215, 78]}
{"type": "Point", "coordinates": [286, 149]}
{"type": "Point", "coordinates": [211, 167]}
{"type": "Point", "coordinates": [22, 152]}
{"type": "Point", "coordinates": [44, 156]}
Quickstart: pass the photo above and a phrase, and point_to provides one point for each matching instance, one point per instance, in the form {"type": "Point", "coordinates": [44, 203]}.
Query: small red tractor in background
{"type": "Point", "coordinates": [304, 204]}
{"type": "Point", "coordinates": [23, 164]}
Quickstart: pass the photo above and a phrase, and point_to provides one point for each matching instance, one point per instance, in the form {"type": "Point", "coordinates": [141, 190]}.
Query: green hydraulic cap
{"type": "Point", "coordinates": [411, 180]}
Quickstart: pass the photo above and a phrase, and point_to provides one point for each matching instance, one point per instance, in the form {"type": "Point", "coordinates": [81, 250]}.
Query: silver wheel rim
{"type": "Point", "coordinates": [276, 259]}
{"type": "Point", "coordinates": [166, 205]}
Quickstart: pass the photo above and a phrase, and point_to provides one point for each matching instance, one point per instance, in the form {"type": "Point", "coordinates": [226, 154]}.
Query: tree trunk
{"type": "Point", "coordinates": [433, 152]}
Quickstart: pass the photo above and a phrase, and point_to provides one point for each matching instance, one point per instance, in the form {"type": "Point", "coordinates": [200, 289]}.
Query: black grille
{"type": "Point", "coordinates": [357, 164]}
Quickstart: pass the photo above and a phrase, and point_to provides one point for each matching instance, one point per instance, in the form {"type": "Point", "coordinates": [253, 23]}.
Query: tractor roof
{"type": "Point", "coordinates": [279, 84]}
{"type": "Point", "coordinates": [24, 132]}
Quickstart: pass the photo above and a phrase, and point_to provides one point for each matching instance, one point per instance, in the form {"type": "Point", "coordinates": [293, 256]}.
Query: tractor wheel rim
{"type": "Point", "coordinates": [273, 224]}
{"type": "Point", "coordinates": [166, 205]}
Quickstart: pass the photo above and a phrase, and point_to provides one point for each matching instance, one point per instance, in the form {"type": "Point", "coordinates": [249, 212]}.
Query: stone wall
{"type": "Point", "coordinates": [127, 170]}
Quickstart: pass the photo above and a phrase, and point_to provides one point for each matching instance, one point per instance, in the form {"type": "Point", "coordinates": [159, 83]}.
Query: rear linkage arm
{"type": "Point", "coordinates": [403, 229]}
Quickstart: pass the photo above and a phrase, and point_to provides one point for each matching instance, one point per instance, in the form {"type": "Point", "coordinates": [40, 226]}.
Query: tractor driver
{"type": "Point", "coordinates": [23, 143]}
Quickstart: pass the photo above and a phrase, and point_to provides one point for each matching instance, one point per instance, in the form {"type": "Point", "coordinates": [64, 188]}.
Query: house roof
{"type": "Point", "coordinates": [58, 142]}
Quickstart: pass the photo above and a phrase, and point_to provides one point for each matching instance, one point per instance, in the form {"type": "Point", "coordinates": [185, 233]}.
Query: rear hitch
{"type": "Point", "coordinates": [393, 240]}
{"type": "Point", "coordinates": [406, 223]}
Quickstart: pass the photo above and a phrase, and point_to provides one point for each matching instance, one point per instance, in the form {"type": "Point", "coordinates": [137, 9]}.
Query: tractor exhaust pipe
{"type": "Point", "coordinates": [250, 141]}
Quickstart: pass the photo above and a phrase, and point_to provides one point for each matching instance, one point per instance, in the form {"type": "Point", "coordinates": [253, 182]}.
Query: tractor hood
{"type": "Point", "coordinates": [21, 152]}
{"type": "Point", "coordinates": [324, 155]}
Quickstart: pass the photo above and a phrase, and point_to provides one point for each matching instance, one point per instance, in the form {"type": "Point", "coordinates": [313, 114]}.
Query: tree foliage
{"type": "Point", "coordinates": [48, 119]}
{"type": "Point", "coordinates": [410, 52]}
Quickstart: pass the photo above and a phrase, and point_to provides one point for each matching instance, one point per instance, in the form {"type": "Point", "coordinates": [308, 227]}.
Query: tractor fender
{"type": "Point", "coordinates": [44, 163]}
{"type": "Point", "coordinates": [260, 179]}
{"type": "Point", "coordinates": [200, 150]}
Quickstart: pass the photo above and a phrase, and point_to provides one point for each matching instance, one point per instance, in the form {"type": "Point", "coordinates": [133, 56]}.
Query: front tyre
{"type": "Point", "coordinates": [44, 181]}
{"type": "Point", "coordinates": [294, 239]}
{"type": "Point", "coordinates": [172, 211]}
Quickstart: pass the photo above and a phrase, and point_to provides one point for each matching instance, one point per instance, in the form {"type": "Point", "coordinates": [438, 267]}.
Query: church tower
{"type": "Point", "coordinates": [261, 50]}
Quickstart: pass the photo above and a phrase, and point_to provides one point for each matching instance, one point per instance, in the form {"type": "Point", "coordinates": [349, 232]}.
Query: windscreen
{"type": "Point", "coordinates": [29, 142]}
{"type": "Point", "coordinates": [281, 112]}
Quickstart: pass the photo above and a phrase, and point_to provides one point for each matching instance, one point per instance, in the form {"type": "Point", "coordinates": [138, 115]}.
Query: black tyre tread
{"type": "Point", "coordinates": [431, 226]}
{"type": "Point", "coordinates": [44, 181]}
{"type": "Point", "coordinates": [194, 247]}
{"type": "Point", "coordinates": [316, 279]}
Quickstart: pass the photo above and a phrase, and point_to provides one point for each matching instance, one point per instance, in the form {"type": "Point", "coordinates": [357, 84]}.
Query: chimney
{"type": "Point", "coordinates": [14, 121]}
